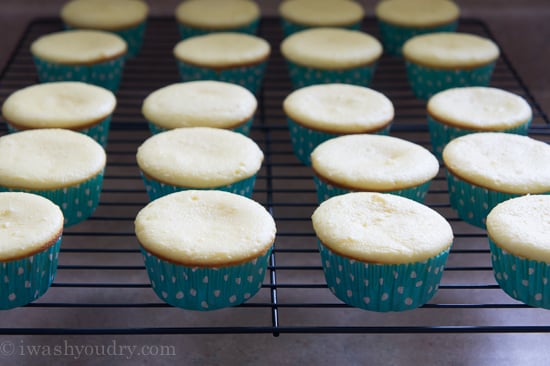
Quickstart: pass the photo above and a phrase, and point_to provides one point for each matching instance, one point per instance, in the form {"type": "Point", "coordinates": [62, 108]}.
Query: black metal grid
{"type": "Point", "coordinates": [102, 287]}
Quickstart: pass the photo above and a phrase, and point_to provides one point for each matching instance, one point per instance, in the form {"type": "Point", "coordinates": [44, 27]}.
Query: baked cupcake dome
{"type": "Point", "coordinates": [199, 158]}
{"type": "Point", "coordinates": [518, 231]}
{"type": "Point", "coordinates": [381, 252]}
{"type": "Point", "coordinates": [32, 227]}
{"type": "Point", "coordinates": [199, 17]}
{"type": "Point", "coordinates": [203, 103]}
{"type": "Point", "coordinates": [372, 163]}
{"type": "Point", "coordinates": [486, 168]}
{"type": "Point", "coordinates": [317, 113]}
{"type": "Point", "coordinates": [126, 18]}
{"type": "Point", "coordinates": [324, 55]}
{"type": "Point", "coordinates": [400, 20]}
{"type": "Point", "coordinates": [64, 104]}
{"type": "Point", "coordinates": [205, 250]}
{"type": "Point", "coordinates": [459, 111]}
{"type": "Point", "coordinates": [61, 165]}
{"type": "Point", "coordinates": [299, 15]}
{"type": "Point", "coordinates": [444, 60]}
{"type": "Point", "coordinates": [91, 56]}
{"type": "Point", "coordinates": [225, 56]}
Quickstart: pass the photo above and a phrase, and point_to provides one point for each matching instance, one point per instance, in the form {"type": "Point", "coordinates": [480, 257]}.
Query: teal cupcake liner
{"type": "Point", "coordinates": [156, 189]}
{"type": "Point", "coordinates": [304, 140]}
{"type": "Point", "coordinates": [301, 76]}
{"type": "Point", "coordinates": [393, 36]}
{"type": "Point", "coordinates": [99, 132]}
{"type": "Point", "coordinates": [186, 31]}
{"type": "Point", "coordinates": [441, 134]}
{"type": "Point", "coordinates": [77, 202]}
{"type": "Point", "coordinates": [25, 280]}
{"type": "Point", "coordinates": [290, 28]}
{"type": "Point", "coordinates": [525, 280]}
{"type": "Point", "coordinates": [473, 203]}
{"type": "Point", "coordinates": [200, 288]}
{"type": "Point", "coordinates": [382, 287]}
{"type": "Point", "coordinates": [105, 74]}
{"type": "Point", "coordinates": [243, 128]}
{"type": "Point", "coordinates": [249, 77]}
{"type": "Point", "coordinates": [426, 81]}
{"type": "Point", "coordinates": [326, 191]}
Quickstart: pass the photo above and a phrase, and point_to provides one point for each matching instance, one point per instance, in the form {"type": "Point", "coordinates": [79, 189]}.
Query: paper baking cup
{"type": "Point", "coordinates": [200, 288]}
{"type": "Point", "coordinates": [426, 81]}
{"type": "Point", "coordinates": [106, 74]}
{"type": "Point", "coordinates": [441, 134]}
{"type": "Point", "coordinates": [394, 36]}
{"type": "Point", "coordinates": [77, 202]}
{"type": "Point", "coordinates": [301, 76]}
{"type": "Point", "coordinates": [382, 287]}
{"type": "Point", "coordinates": [290, 28]}
{"type": "Point", "coordinates": [249, 77]}
{"type": "Point", "coordinates": [326, 191]}
{"type": "Point", "coordinates": [156, 189]}
{"type": "Point", "coordinates": [243, 129]}
{"type": "Point", "coordinates": [187, 31]}
{"type": "Point", "coordinates": [473, 203]}
{"type": "Point", "coordinates": [24, 280]}
{"type": "Point", "coordinates": [99, 132]}
{"type": "Point", "coordinates": [304, 140]}
{"type": "Point", "coordinates": [523, 279]}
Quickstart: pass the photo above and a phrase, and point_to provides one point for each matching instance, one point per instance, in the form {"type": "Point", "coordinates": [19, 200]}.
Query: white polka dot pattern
{"type": "Point", "coordinates": [187, 31]}
{"type": "Point", "coordinates": [301, 76]}
{"type": "Point", "coordinates": [290, 28]}
{"type": "Point", "coordinates": [242, 129]}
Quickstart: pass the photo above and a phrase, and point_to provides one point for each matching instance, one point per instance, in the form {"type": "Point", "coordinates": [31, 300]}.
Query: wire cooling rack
{"type": "Point", "coordinates": [102, 287]}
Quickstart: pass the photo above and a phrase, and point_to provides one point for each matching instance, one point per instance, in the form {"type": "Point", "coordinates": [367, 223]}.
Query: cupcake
{"type": "Point", "coordinates": [486, 168]}
{"type": "Point", "coordinates": [299, 15]}
{"type": "Point", "coordinates": [200, 103]}
{"type": "Point", "coordinates": [205, 250]}
{"type": "Point", "coordinates": [71, 105]}
{"type": "Point", "coordinates": [331, 55]}
{"type": "Point", "coordinates": [225, 56]}
{"type": "Point", "coordinates": [90, 56]}
{"type": "Point", "coordinates": [381, 252]}
{"type": "Point", "coordinates": [319, 112]}
{"type": "Point", "coordinates": [459, 111]}
{"type": "Point", "coordinates": [61, 165]}
{"type": "Point", "coordinates": [400, 20]}
{"type": "Point", "coordinates": [126, 18]}
{"type": "Point", "coordinates": [31, 227]}
{"type": "Point", "coordinates": [439, 61]}
{"type": "Point", "coordinates": [372, 163]}
{"type": "Point", "coordinates": [199, 158]}
{"type": "Point", "coordinates": [518, 232]}
{"type": "Point", "coordinates": [199, 17]}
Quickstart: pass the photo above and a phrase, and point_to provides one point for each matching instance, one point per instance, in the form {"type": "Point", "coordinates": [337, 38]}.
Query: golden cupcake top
{"type": "Point", "coordinates": [339, 108]}
{"type": "Point", "coordinates": [316, 13]}
{"type": "Point", "coordinates": [417, 13]}
{"type": "Point", "coordinates": [521, 226]}
{"type": "Point", "coordinates": [331, 48]}
{"type": "Point", "coordinates": [29, 224]}
{"type": "Point", "coordinates": [44, 159]}
{"type": "Point", "coordinates": [223, 50]}
{"type": "Point", "coordinates": [199, 157]}
{"type": "Point", "coordinates": [204, 103]}
{"type": "Point", "coordinates": [205, 228]}
{"type": "Point", "coordinates": [373, 163]}
{"type": "Point", "coordinates": [479, 108]}
{"type": "Point", "coordinates": [500, 161]}
{"type": "Point", "coordinates": [109, 15]}
{"type": "Point", "coordinates": [381, 228]}
{"type": "Point", "coordinates": [64, 104]}
{"type": "Point", "coordinates": [79, 47]}
{"type": "Point", "coordinates": [450, 50]}
{"type": "Point", "coordinates": [217, 14]}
